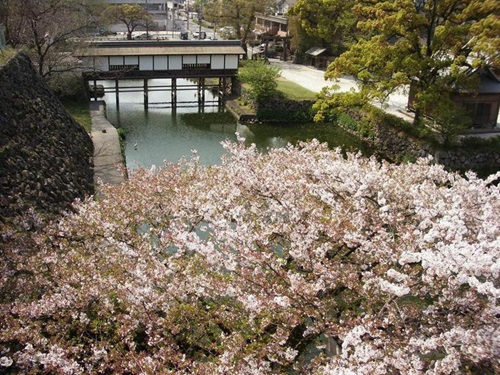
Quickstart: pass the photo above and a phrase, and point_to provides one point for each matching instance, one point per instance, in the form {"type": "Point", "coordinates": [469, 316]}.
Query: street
{"type": "Point", "coordinates": [313, 79]}
{"type": "Point", "coordinates": [163, 28]}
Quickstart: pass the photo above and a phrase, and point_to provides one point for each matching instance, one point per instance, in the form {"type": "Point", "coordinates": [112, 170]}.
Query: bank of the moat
{"type": "Point", "coordinates": [45, 155]}
{"type": "Point", "coordinates": [383, 134]}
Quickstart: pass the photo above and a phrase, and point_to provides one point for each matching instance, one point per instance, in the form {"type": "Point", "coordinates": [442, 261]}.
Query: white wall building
{"type": "Point", "coordinates": [151, 5]}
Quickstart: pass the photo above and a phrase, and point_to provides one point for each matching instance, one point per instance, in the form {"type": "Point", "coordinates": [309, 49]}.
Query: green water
{"type": "Point", "coordinates": [160, 134]}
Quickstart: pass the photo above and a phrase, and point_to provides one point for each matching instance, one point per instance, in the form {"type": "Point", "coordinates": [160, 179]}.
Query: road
{"type": "Point", "coordinates": [313, 79]}
{"type": "Point", "coordinates": [167, 29]}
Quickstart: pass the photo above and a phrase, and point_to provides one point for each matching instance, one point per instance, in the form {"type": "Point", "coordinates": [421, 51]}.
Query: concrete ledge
{"type": "Point", "coordinates": [109, 166]}
{"type": "Point", "coordinates": [243, 116]}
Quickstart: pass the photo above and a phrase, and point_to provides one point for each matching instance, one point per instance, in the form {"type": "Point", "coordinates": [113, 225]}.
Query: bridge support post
{"type": "Point", "coordinates": [95, 90]}
{"type": "Point", "coordinates": [201, 94]}
{"type": "Point", "coordinates": [220, 91]}
{"type": "Point", "coordinates": [146, 95]}
{"type": "Point", "coordinates": [117, 91]}
{"type": "Point", "coordinates": [173, 92]}
{"type": "Point", "coordinates": [233, 84]}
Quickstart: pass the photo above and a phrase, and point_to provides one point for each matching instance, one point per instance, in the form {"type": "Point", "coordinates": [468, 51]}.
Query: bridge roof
{"type": "Point", "coordinates": [148, 48]}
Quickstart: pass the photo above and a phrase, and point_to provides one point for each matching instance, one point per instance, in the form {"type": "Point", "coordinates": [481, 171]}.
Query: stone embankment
{"type": "Point", "coordinates": [395, 144]}
{"type": "Point", "coordinates": [241, 114]}
{"type": "Point", "coordinates": [45, 155]}
{"type": "Point", "coordinates": [285, 111]}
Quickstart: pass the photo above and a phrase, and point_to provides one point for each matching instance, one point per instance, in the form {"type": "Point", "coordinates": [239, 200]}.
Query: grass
{"type": "Point", "coordinates": [293, 91]}
{"type": "Point", "coordinates": [80, 111]}
{"type": "Point", "coordinates": [6, 54]}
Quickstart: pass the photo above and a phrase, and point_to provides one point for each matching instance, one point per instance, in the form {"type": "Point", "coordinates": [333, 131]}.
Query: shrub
{"type": "Point", "coordinates": [474, 143]}
{"type": "Point", "coordinates": [260, 77]}
{"type": "Point", "coordinates": [67, 86]}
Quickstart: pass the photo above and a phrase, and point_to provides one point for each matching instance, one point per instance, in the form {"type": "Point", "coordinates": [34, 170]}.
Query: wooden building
{"type": "Point", "coordinates": [145, 60]}
{"type": "Point", "coordinates": [482, 105]}
{"type": "Point", "coordinates": [162, 59]}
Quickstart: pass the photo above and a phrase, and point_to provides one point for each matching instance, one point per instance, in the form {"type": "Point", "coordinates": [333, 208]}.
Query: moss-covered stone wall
{"type": "Point", "coordinates": [45, 156]}
{"type": "Point", "coordinates": [285, 111]}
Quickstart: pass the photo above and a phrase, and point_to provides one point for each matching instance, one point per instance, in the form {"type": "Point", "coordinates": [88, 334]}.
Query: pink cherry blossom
{"type": "Point", "coordinates": [298, 260]}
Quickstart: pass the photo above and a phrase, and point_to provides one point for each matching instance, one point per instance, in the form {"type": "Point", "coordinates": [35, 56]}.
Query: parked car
{"type": "Point", "coordinates": [198, 35]}
{"type": "Point", "coordinates": [143, 36]}
{"type": "Point", "coordinates": [106, 32]}
{"type": "Point", "coordinates": [271, 54]}
{"type": "Point", "coordinates": [184, 35]}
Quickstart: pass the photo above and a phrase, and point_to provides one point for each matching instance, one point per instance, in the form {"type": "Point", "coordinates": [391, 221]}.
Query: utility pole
{"type": "Point", "coordinates": [166, 16]}
{"type": "Point", "coordinates": [187, 15]}
{"type": "Point", "coordinates": [199, 21]}
{"type": "Point", "coordinates": [173, 19]}
{"type": "Point", "coordinates": [147, 22]}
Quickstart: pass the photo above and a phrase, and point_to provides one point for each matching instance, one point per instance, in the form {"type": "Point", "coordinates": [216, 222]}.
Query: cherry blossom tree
{"type": "Point", "coordinates": [299, 260]}
{"type": "Point", "coordinates": [49, 30]}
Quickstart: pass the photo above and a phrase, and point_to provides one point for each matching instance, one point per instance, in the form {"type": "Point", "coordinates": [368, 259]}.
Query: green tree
{"type": "Point", "coordinates": [49, 29]}
{"type": "Point", "coordinates": [240, 14]}
{"type": "Point", "coordinates": [330, 20]}
{"type": "Point", "coordinates": [301, 41]}
{"type": "Point", "coordinates": [132, 15]}
{"type": "Point", "coordinates": [431, 44]}
{"type": "Point", "coordinates": [261, 78]}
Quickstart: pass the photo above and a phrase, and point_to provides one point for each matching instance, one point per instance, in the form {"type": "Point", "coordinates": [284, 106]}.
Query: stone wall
{"type": "Point", "coordinates": [397, 145]}
{"type": "Point", "coordinates": [45, 156]}
{"type": "Point", "coordinates": [285, 111]}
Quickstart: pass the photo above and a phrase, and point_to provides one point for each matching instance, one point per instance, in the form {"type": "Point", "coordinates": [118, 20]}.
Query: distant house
{"type": "Point", "coordinates": [271, 25]}
{"type": "Point", "coordinates": [150, 5]}
{"type": "Point", "coordinates": [482, 105]}
{"type": "Point", "coordinates": [276, 23]}
{"type": "Point", "coordinates": [317, 57]}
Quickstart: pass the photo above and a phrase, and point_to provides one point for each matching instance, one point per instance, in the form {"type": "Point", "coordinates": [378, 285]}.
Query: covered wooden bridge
{"type": "Point", "coordinates": [144, 60]}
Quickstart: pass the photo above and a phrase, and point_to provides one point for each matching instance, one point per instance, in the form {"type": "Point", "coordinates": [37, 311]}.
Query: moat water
{"type": "Point", "coordinates": [159, 133]}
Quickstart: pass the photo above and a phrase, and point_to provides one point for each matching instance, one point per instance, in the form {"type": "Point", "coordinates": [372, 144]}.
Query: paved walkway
{"type": "Point", "coordinates": [314, 80]}
{"type": "Point", "coordinates": [108, 160]}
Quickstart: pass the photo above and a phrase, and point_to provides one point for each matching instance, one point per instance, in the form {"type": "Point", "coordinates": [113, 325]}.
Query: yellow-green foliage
{"type": "Point", "coordinates": [6, 54]}
{"type": "Point", "coordinates": [79, 110]}
{"type": "Point", "coordinates": [261, 77]}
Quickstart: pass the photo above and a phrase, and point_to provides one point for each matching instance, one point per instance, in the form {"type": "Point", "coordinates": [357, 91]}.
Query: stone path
{"type": "Point", "coordinates": [108, 159]}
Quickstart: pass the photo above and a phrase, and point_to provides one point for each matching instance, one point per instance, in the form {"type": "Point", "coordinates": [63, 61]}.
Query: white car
{"type": "Point", "coordinates": [198, 35]}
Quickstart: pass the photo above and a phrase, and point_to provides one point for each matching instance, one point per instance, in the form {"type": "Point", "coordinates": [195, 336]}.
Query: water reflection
{"type": "Point", "coordinates": [161, 133]}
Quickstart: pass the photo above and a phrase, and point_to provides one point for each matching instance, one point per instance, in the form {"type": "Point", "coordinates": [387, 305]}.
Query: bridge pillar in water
{"type": "Point", "coordinates": [233, 84]}
{"type": "Point", "coordinates": [146, 95]}
{"type": "Point", "coordinates": [220, 91]}
{"type": "Point", "coordinates": [173, 92]}
{"type": "Point", "coordinates": [201, 94]}
{"type": "Point", "coordinates": [95, 90]}
{"type": "Point", "coordinates": [117, 91]}
{"type": "Point", "coordinates": [201, 90]}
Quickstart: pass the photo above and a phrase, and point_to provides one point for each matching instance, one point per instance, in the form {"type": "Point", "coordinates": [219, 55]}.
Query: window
{"type": "Point", "coordinates": [195, 66]}
{"type": "Point", "coordinates": [124, 67]}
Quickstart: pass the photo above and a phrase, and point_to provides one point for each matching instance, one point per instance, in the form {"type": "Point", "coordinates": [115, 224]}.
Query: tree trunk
{"type": "Point", "coordinates": [418, 117]}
